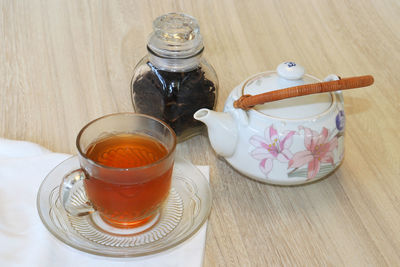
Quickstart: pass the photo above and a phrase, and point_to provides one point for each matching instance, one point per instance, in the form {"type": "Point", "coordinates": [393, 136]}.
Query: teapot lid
{"type": "Point", "coordinates": [287, 74]}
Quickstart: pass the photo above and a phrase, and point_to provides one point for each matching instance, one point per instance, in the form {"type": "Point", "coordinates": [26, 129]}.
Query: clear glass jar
{"type": "Point", "coordinates": [173, 80]}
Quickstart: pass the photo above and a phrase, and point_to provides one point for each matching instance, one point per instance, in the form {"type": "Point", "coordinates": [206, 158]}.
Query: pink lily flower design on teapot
{"type": "Point", "coordinates": [319, 150]}
{"type": "Point", "coordinates": [271, 147]}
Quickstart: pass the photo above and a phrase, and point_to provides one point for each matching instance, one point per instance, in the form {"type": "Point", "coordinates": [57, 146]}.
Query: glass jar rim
{"type": "Point", "coordinates": [175, 56]}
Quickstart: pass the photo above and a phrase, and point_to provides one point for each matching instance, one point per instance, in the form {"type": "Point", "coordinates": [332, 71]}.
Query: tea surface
{"type": "Point", "coordinates": [126, 151]}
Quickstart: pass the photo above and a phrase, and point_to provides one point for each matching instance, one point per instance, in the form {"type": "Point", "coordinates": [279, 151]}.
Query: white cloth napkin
{"type": "Point", "coordinates": [24, 240]}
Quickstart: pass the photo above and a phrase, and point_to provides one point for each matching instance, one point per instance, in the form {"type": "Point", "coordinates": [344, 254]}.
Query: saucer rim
{"type": "Point", "coordinates": [94, 250]}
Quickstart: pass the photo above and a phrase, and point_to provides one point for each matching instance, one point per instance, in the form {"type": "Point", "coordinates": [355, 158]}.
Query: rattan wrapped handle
{"type": "Point", "coordinates": [248, 101]}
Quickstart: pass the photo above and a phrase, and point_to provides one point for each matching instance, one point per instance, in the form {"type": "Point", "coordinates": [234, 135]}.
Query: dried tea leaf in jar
{"type": "Point", "coordinates": [173, 80]}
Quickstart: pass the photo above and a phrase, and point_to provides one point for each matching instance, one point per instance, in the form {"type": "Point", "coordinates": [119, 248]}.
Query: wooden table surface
{"type": "Point", "coordinates": [63, 63]}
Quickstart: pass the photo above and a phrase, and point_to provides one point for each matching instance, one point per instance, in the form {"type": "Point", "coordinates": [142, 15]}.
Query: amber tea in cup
{"type": "Point", "coordinates": [127, 162]}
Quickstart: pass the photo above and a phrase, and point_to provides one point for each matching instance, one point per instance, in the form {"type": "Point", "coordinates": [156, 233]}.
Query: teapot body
{"type": "Point", "coordinates": [285, 144]}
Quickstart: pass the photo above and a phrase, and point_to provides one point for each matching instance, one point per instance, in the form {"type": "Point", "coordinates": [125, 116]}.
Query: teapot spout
{"type": "Point", "coordinates": [222, 130]}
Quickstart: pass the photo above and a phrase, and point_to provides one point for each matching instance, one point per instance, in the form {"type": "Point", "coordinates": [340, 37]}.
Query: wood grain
{"type": "Point", "coordinates": [64, 63]}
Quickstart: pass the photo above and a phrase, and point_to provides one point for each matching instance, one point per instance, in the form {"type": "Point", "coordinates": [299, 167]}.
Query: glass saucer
{"type": "Point", "coordinates": [185, 211]}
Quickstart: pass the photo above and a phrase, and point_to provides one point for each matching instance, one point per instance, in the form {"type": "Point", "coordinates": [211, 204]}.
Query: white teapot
{"type": "Point", "coordinates": [287, 142]}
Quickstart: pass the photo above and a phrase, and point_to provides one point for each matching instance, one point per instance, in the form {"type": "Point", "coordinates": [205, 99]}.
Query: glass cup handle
{"type": "Point", "coordinates": [72, 193]}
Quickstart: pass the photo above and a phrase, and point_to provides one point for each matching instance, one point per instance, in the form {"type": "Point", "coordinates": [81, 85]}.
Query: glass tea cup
{"type": "Point", "coordinates": [126, 164]}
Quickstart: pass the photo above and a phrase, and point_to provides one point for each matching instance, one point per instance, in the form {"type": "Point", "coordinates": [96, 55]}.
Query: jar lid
{"type": "Point", "coordinates": [175, 35]}
{"type": "Point", "coordinates": [287, 74]}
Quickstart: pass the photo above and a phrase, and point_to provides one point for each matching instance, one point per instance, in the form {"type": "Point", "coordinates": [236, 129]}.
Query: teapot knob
{"type": "Point", "coordinates": [290, 70]}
